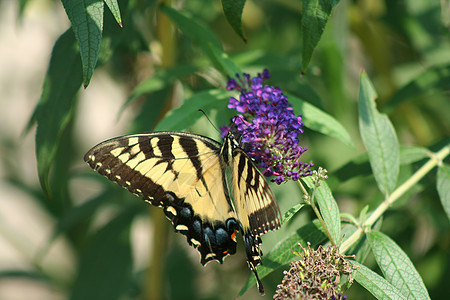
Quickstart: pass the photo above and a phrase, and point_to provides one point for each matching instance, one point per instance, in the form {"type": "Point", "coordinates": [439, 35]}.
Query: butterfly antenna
{"type": "Point", "coordinates": [209, 120]}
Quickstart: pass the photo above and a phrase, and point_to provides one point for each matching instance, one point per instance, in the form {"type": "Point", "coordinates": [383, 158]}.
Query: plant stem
{"type": "Point", "coordinates": [155, 287]}
{"type": "Point", "coordinates": [435, 159]}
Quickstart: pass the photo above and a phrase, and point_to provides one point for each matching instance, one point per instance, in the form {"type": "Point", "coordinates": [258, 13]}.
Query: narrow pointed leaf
{"type": "Point", "coordinates": [114, 8]}
{"type": "Point", "coordinates": [379, 138]}
{"type": "Point", "coordinates": [54, 109]}
{"type": "Point", "coordinates": [283, 252]}
{"type": "Point", "coordinates": [314, 19]}
{"type": "Point", "coordinates": [443, 187]}
{"type": "Point", "coordinates": [375, 284]}
{"type": "Point", "coordinates": [233, 12]}
{"type": "Point", "coordinates": [397, 267]}
{"type": "Point", "coordinates": [318, 120]}
{"type": "Point", "coordinates": [86, 18]}
{"type": "Point", "coordinates": [329, 211]}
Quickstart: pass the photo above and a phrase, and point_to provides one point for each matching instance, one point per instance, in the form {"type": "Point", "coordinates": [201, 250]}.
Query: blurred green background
{"type": "Point", "coordinates": [48, 246]}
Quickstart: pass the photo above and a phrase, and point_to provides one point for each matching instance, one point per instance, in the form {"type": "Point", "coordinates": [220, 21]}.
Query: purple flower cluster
{"type": "Point", "coordinates": [268, 128]}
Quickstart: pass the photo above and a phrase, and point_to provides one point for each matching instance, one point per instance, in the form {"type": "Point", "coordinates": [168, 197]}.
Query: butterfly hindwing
{"type": "Point", "coordinates": [182, 173]}
{"type": "Point", "coordinates": [256, 206]}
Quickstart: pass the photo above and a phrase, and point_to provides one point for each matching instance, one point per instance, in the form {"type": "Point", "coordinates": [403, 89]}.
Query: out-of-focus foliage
{"type": "Point", "coordinates": [382, 133]}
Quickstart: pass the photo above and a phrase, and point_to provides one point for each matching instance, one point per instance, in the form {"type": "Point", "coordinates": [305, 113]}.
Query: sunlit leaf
{"type": "Point", "coordinates": [410, 155]}
{"type": "Point", "coordinates": [318, 120]}
{"type": "Point", "coordinates": [375, 284]}
{"type": "Point", "coordinates": [329, 211]}
{"type": "Point", "coordinates": [86, 18]}
{"type": "Point", "coordinates": [396, 266]}
{"type": "Point", "coordinates": [379, 138]}
{"type": "Point", "coordinates": [114, 8]}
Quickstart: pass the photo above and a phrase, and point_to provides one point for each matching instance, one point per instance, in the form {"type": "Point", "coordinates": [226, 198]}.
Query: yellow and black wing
{"type": "Point", "coordinates": [183, 174]}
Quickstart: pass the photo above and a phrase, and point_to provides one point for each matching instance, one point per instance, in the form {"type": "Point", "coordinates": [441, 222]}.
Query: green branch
{"type": "Point", "coordinates": [435, 160]}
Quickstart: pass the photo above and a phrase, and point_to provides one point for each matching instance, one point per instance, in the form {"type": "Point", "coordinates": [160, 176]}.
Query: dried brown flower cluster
{"type": "Point", "coordinates": [315, 276]}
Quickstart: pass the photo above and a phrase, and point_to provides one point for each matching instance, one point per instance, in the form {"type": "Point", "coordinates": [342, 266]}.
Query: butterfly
{"type": "Point", "coordinates": [189, 176]}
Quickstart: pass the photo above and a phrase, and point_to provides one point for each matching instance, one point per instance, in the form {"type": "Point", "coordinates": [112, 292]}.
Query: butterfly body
{"type": "Point", "coordinates": [185, 174]}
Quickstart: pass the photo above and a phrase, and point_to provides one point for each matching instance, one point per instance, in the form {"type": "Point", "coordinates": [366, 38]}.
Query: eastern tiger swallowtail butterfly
{"type": "Point", "coordinates": [185, 174]}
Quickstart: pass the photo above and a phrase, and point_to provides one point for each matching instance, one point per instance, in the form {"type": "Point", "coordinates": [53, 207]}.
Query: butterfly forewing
{"type": "Point", "coordinates": [183, 174]}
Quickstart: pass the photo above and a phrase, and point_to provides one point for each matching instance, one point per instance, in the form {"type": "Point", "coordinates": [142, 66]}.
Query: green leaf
{"type": "Point", "coordinates": [314, 19]}
{"type": "Point", "coordinates": [205, 39]}
{"type": "Point", "coordinates": [379, 138]}
{"type": "Point", "coordinates": [375, 284]}
{"type": "Point", "coordinates": [188, 113]}
{"type": "Point", "coordinates": [443, 187]}
{"type": "Point", "coordinates": [54, 109]}
{"type": "Point", "coordinates": [329, 211]}
{"type": "Point", "coordinates": [283, 252]}
{"type": "Point", "coordinates": [397, 267]}
{"type": "Point", "coordinates": [114, 8]}
{"type": "Point", "coordinates": [86, 17]}
{"type": "Point", "coordinates": [291, 212]}
{"type": "Point", "coordinates": [233, 12]}
{"type": "Point", "coordinates": [106, 262]}
{"type": "Point", "coordinates": [410, 155]}
{"type": "Point", "coordinates": [320, 121]}
{"type": "Point", "coordinates": [433, 80]}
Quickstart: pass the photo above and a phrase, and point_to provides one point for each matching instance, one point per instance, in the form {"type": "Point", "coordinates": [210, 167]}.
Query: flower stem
{"type": "Point", "coordinates": [436, 159]}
